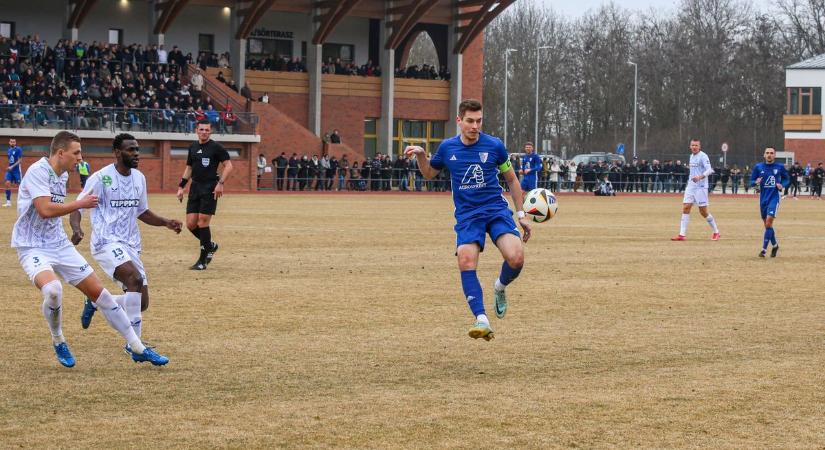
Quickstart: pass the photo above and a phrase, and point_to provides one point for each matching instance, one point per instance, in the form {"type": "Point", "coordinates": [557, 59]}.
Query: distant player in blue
{"type": "Point", "coordinates": [474, 160]}
{"type": "Point", "coordinates": [769, 178]}
{"type": "Point", "coordinates": [530, 168]}
{"type": "Point", "coordinates": [13, 175]}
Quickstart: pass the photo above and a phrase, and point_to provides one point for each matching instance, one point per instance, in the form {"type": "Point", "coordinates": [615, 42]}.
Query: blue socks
{"type": "Point", "coordinates": [472, 291]}
{"type": "Point", "coordinates": [508, 274]}
{"type": "Point", "coordinates": [769, 236]}
{"type": "Point", "coordinates": [8, 195]}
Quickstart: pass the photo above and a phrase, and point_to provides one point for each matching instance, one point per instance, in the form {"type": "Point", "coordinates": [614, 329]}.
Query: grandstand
{"type": "Point", "coordinates": [156, 67]}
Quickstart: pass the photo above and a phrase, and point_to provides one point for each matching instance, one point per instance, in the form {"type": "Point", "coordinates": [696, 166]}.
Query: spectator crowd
{"type": "Point", "coordinates": [78, 85]}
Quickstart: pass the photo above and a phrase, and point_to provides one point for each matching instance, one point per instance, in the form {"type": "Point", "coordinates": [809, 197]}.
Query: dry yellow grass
{"type": "Point", "coordinates": [338, 322]}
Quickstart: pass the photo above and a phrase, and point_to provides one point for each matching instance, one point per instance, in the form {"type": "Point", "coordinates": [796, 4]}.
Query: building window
{"type": "Point", "coordinates": [345, 52]}
{"type": "Point", "coordinates": [116, 36]}
{"type": "Point", "coordinates": [370, 137]}
{"type": "Point", "coordinates": [7, 29]}
{"type": "Point", "coordinates": [807, 101]}
{"type": "Point", "coordinates": [269, 48]}
{"type": "Point", "coordinates": [427, 134]}
{"type": "Point", "coordinates": [206, 43]}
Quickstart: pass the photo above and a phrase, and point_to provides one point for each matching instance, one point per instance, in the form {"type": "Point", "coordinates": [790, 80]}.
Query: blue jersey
{"type": "Point", "coordinates": [773, 176]}
{"type": "Point", "coordinates": [474, 173]}
{"type": "Point", "coordinates": [531, 162]}
{"type": "Point", "coordinates": [15, 154]}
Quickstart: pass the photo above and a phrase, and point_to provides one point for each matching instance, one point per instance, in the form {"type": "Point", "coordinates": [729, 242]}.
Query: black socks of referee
{"type": "Point", "coordinates": [204, 235]}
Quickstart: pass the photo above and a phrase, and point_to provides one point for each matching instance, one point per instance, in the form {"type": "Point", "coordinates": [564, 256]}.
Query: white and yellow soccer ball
{"type": "Point", "coordinates": [540, 205]}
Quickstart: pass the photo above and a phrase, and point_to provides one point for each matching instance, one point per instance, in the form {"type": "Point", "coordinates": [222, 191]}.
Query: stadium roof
{"type": "Point", "coordinates": [817, 62]}
{"type": "Point", "coordinates": [472, 15]}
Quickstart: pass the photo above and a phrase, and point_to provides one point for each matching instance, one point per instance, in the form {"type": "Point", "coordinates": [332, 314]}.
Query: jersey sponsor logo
{"type": "Point", "coordinates": [204, 162]}
{"type": "Point", "coordinates": [483, 156]}
{"type": "Point", "coordinates": [473, 178]}
{"type": "Point", "coordinates": [125, 203]}
{"type": "Point", "coordinates": [106, 180]}
{"type": "Point", "coordinates": [770, 182]}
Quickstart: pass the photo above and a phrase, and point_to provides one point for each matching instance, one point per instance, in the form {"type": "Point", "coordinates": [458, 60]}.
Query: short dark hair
{"type": "Point", "coordinates": [62, 140]}
{"type": "Point", "coordinates": [468, 105]}
{"type": "Point", "coordinates": [205, 122]}
{"type": "Point", "coordinates": [693, 139]}
{"type": "Point", "coordinates": [529, 143]}
{"type": "Point", "coordinates": [118, 141]}
{"type": "Point", "coordinates": [771, 147]}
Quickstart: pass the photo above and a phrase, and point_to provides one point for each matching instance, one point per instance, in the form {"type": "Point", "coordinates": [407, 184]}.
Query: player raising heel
{"type": "Point", "coordinates": [207, 187]}
{"type": "Point", "coordinates": [769, 178]}
{"type": "Point", "coordinates": [697, 192]}
{"type": "Point", "coordinates": [474, 160]}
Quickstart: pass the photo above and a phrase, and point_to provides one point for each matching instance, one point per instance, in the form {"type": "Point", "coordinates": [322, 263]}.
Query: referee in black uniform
{"type": "Point", "coordinates": [207, 187]}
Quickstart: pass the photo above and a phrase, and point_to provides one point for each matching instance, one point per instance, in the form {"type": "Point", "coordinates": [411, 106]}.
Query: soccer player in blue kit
{"type": "Point", "coordinates": [13, 173]}
{"type": "Point", "coordinates": [530, 167]}
{"type": "Point", "coordinates": [769, 178]}
{"type": "Point", "coordinates": [474, 160]}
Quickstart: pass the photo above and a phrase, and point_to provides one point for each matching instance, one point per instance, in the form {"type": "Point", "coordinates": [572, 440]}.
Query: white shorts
{"type": "Point", "coordinates": [65, 261]}
{"type": "Point", "coordinates": [696, 194]}
{"type": "Point", "coordinates": [113, 255]}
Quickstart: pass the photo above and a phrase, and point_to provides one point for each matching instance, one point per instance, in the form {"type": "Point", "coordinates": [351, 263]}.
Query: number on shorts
{"type": "Point", "coordinates": [118, 252]}
{"type": "Point", "coordinates": [36, 259]}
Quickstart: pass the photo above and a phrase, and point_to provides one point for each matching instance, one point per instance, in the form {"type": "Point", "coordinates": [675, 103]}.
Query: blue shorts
{"type": "Point", "coordinates": [13, 176]}
{"type": "Point", "coordinates": [474, 230]}
{"type": "Point", "coordinates": [528, 183]}
{"type": "Point", "coordinates": [769, 208]}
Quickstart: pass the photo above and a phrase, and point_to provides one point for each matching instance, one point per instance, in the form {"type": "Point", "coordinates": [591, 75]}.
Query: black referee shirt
{"type": "Point", "coordinates": [204, 160]}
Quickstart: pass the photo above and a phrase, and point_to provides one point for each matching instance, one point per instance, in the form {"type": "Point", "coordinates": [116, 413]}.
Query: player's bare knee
{"type": "Point", "coordinates": [516, 260]}
{"type": "Point", "coordinates": [466, 261]}
{"type": "Point", "coordinates": [203, 222]}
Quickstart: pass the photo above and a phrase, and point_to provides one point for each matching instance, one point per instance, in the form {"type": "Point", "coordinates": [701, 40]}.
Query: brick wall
{"type": "Point", "coordinates": [806, 150]}
{"type": "Point", "coordinates": [473, 70]}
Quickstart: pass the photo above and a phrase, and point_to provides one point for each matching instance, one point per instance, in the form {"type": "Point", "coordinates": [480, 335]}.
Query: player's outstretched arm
{"type": "Point", "coordinates": [77, 231]}
{"type": "Point", "coordinates": [427, 171]}
{"type": "Point", "coordinates": [48, 209]}
{"type": "Point", "coordinates": [150, 218]}
{"type": "Point", "coordinates": [518, 197]}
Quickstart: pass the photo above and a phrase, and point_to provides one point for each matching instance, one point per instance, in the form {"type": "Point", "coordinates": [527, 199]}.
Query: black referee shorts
{"type": "Point", "coordinates": [202, 199]}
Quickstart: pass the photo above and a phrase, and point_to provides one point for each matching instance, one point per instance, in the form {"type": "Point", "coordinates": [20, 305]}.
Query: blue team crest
{"type": "Point", "coordinates": [205, 162]}
{"type": "Point", "coordinates": [775, 171]}
{"type": "Point", "coordinates": [483, 156]}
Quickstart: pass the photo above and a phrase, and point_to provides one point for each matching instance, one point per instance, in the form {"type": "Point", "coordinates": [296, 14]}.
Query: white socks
{"type": "Point", "coordinates": [712, 223]}
{"type": "Point", "coordinates": [483, 319]}
{"type": "Point", "coordinates": [498, 286]}
{"type": "Point", "coordinates": [53, 309]}
{"type": "Point", "coordinates": [132, 305]}
{"type": "Point", "coordinates": [683, 226]}
{"type": "Point", "coordinates": [117, 318]}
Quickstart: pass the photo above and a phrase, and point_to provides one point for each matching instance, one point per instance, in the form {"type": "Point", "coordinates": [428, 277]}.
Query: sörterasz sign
{"type": "Point", "coordinates": [271, 34]}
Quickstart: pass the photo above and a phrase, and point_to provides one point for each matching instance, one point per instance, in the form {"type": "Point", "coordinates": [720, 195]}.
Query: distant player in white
{"type": "Point", "coordinates": [116, 244]}
{"type": "Point", "coordinates": [697, 191]}
{"type": "Point", "coordinates": [44, 249]}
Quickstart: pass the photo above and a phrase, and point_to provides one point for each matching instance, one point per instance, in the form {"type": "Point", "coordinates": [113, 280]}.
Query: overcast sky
{"type": "Point", "coordinates": [575, 8]}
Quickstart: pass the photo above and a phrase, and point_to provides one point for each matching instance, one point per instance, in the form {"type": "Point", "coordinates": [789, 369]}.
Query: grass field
{"type": "Point", "coordinates": [338, 322]}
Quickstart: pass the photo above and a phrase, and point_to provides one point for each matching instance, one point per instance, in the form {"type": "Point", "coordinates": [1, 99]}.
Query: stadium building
{"type": "Point", "coordinates": [803, 125]}
{"type": "Point", "coordinates": [291, 52]}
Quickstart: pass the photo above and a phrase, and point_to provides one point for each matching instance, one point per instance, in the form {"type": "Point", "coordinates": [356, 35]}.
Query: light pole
{"type": "Point", "coordinates": [635, 101]}
{"type": "Point", "coordinates": [536, 134]}
{"type": "Point", "coordinates": [506, 76]}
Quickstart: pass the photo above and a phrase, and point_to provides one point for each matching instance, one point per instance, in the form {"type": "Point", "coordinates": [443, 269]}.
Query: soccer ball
{"type": "Point", "coordinates": [540, 205]}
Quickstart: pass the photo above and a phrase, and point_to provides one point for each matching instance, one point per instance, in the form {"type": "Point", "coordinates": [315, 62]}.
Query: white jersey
{"type": "Point", "coordinates": [31, 230]}
{"type": "Point", "coordinates": [121, 200]}
{"type": "Point", "coordinates": [699, 165]}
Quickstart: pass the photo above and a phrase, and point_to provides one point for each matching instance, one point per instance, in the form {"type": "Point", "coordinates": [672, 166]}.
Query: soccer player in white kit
{"type": "Point", "coordinates": [44, 250]}
{"type": "Point", "coordinates": [116, 242]}
{"type": "Point", "coordinates": [697, 191]}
